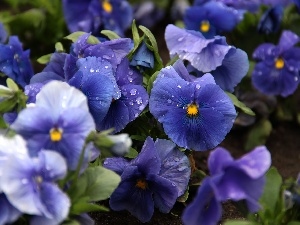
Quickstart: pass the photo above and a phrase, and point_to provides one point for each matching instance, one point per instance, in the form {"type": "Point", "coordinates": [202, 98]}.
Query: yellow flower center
{"type": "Point", "coordinates": [141, 183]}
{"type": "Point", "coordinates": [56, 134]}
{"type": "Point", "coordinates": [192, 110]}
{"type": "Point", "coordinates": [279, 63]}
{"type": "Point", "coordinates": [204, 26]}
{"type": "Point", "coordinates": [107, 6]}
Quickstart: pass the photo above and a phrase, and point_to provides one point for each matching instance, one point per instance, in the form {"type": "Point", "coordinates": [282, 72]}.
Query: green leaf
{"type": "Point", "coordinates": [110, 34]}
{"type": "Point", "coordinates": [59, 47]}
{"type": "Point", "coordinates": [294, 223]}
{"type": "Point", "coordinates": [239, 222]}
{"type": "Point", "coordinates": [132, 153]}
{"type": "Point", "coordinates": [272, 190]}
{"type": "Point", "coordinates": [32, 17]}
{"type": "Point", "coordinates": [74, 37]}
{"type": "Point", "coordinates": [151, 81]}
{"type": "Point", "coordinates": [71, 222]}
{"type": "Point", "coordinates": [184, 197]}
{"type": "Point", "coordinates": [83, 207]}
{"type": "Point", "coordinates": [44, 59]}
{"type": "Point", "coordinates": [135, 34]}
{"type": "Point", "coordinates": [259, 134]}
{"type": "Point", "coordinates": [8, 105]}
{"type": "Point", "coordinates": [11, 84]}
{"type": "Point", "coordinates": [95, 184]}
{"type": "Point", "coordinates": [240, 105]}
{"type": "Point", "coordinates": [151, 37]}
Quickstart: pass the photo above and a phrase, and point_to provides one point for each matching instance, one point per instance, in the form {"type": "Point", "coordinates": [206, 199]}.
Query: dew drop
{"type": "Point", "coordinates": [130, 103]}
{"type": "Point", "coordinates": [296, 78]}
{"type": "Point", "coordinates": [180, 39]}
{"type": "Point", "coordinates": [106, 67]}
{"type": "Point", "coordinates": [133, 92]}
{"type": "Point", "coordinates": [92, 70]}
{"type": "Point", "coordinates": [169, 101]}
{"type": "Point", "coordinates": [139, 100]}
{"type": "Point", "coordinates": [178, 86]}
{"type": "Point", "coordinates": [198, 86]}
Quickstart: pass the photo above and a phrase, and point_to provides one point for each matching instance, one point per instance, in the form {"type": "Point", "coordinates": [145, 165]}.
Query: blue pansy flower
{"type": "Point", "coordinates": [195, 114]}
{"type": "Point", "coordinates": [226, 63]}
{"type": "Point", "coordinates": [143, 57]}
{"type": "Point", "coordinates": [211, 18]}
{"type": "Point", "coordinates": [270, 20]}
{"type": "Point", "coordinates": [60, 121]}
{"type": "Point", "coordinates": [14, 62]}
{"type": "Point", "coordinates": [29, 183]}
{"type": "Point", "coordinates": [94, 15]}
{"type": "Point", "coordinates": [241, 179]}
{"type": "Point", "coordinates": [276, 2]}
{"type": "Point", "coordinates": [277, 69]}
{"type": "Point", "coordinates": [132, 101]}
{"type": "Point", "coordinates": [8, 213]}
{"type": "Point", "coordinates": [155, 178]}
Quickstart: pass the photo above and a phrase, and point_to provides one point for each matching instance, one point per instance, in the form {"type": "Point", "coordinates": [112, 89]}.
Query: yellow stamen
{"type": "Point", "coordinates": [279, 63]}
{"type": "Point", "coordinates": [192, 110]}
{"type": "Point", "coordinates": [141, 183]}
{"type": "Point", "coordinates": [56, 134]}
{"type": "Point", "coordinates": [205, 26]}
{"type": "Point", "coordinates": [107, 6]}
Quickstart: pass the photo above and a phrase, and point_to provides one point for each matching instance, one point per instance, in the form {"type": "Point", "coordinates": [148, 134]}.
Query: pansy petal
{"type": "Point", "coordinates": [218, 160]}
{"type": "Point", "coordinates": [8, 214]}
{"type": "Point", "coordinates": [164, 192]}
{"type": "Point", "coordinates": [175, 164]}
{"type": "Point", "coordinates": [31, 90]}
{"type": "Point", "coordinates": [56, 63]}
{"type": "Point", "coordinates": [43, 77]}
{"type": "Point", "coordinates": [147, 160]}
{"type": "Point", "coordinates": [116, 164]}
{"type": "Point", "coordinates": [126, 74]}
{"type": "Point", "coordinates": [204, 209]}
{"type": "Point", "coordinates": [55, 201]}
{"type": "Point", "coordinates": [56, 93]}
{"type": "Point", "coordinates": [287, 40]}
{"type": "Point", "coordinates": [264, 51]}
{"type": "Point", "coordinates": [235, 66]}
{"type": "Point", "coordinates": [129, 197]}
{"type": "Point", "coordinates": [256, 163]}
{"type": "Point", "coordinates": [52, 165]}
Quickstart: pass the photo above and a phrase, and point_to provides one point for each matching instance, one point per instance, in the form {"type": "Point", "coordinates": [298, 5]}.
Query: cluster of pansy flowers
{"type": "Point", "coordinates": [97, 87]}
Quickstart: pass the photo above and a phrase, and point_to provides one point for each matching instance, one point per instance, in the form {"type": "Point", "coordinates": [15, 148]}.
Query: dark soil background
{"type": "Point", "coordinates": [284, 145]}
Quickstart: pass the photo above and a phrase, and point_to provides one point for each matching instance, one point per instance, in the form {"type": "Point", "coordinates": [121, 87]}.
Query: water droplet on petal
{"type": "Point", "coordinates": [296, 78]}
{"type": "Point", "coordinates": [92, 70]}
{"type": "Point", "coordinates": [169, 101]}
{"type": "Point", "coordinates": [198, 86]}
{"type": "Point", "coordinates": [180, 39]}
{"type": "Point", "coordinates": [133, 91]}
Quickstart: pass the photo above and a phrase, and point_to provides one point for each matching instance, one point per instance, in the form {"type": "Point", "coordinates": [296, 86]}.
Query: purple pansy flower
{"type": "Point", "coordinates": [271, 19]}
{"type": "Point", "coordinates": [226, 63]}
{"type": "Point", "coordinates": [241, 179]}
{"type": "Point", "coordinates": [195, 114]}
{"type": "Point", "coordinates": [211, 18]}
{"type": "Point", "coordinates": [94, 15]}
{"type": "Point", "coordinates": [29, 183]}
{"type": "Point", "coordinates": [60, 121]}
{"type": "Point", "coordinates": [277, 69]}
{"type": "Point", "coordinates": [249, 5]}
{"type": "Point", "coordinates": [156, 177]}
{"type": "Point", "coordinates": [14, 62]}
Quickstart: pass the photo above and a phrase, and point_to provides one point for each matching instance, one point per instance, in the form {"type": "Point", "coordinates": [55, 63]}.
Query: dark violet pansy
{"type": "Point", "coordinates": [211, 18]}
{"type": "Point", "coordinates": [241, 179]}
{"type": "Point", "coordinates": [226, 63]}
{"type": "Point", "coordinates": [270, 20]}
{"type": "Point", "coordinates": [60, 121]}
{"type": "Point", "coordinates": [29, 183]}
{"type": "Point", "coordinates": [131, 102]}
{"type": "Point", "coordinates": [195, 114]}
{"type": "Point", "coordinates": [277, 69]}
{"type": "Point", "coordinates": [155, 178]}
{"type": "Point", "coordinates": [95, 15]}
{"type": "Point", "coordinates": [14, 62]}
